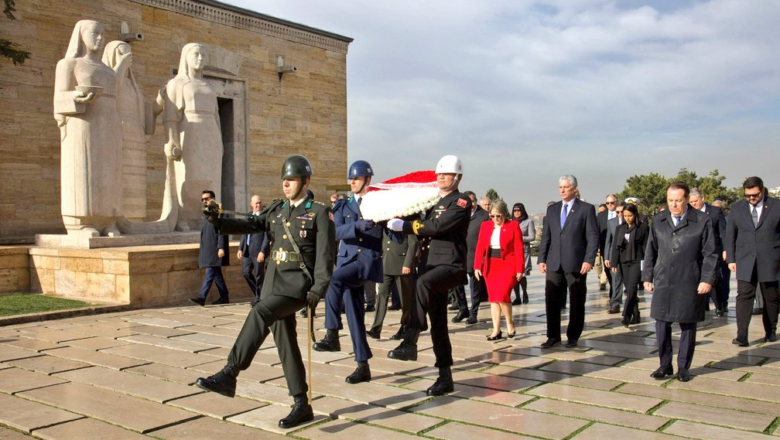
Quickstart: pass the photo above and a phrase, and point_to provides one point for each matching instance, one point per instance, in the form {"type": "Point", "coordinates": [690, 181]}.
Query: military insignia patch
{"type": "Point", "coordinates": [462, 203]}
{"type": "Point", "coordinates": [303, 233]}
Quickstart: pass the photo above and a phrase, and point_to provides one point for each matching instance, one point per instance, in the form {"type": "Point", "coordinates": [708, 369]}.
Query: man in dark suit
{"type": "Point", "coordinates": [679, 269]}
{"type": "Point", "coordinates": [603, 218]}
{"type": "Point", "coordinates": [299, 271]}
{"type": "Point", "coordinates": [359, 260]}
{"type": "Point", "coordinates": [442, 234]}
{"type": "Point", "coordinates": [213, 254]}
{"type": "Point", "coordinates": [616, 280]}
{"type": "Point", "coordinates": [476, 286]}
{"type": "Point", "coordinates": [753, 253]}
{"type": "Point", "coordinates": [570, 240]}
{"type": "Point", "coordinates": [719, 233]}
{"type": "Point", "coordinates": [252, 250]}
{"type": "Point", "coordinates": [399, 258]}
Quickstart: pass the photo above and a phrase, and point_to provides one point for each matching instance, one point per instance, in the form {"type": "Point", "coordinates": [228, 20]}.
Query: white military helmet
{"type": "Point", "coordinates": [449, 164]}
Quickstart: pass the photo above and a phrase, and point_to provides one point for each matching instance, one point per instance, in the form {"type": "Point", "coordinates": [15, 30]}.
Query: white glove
{"type": "Point", "coordinates": [395, 224]}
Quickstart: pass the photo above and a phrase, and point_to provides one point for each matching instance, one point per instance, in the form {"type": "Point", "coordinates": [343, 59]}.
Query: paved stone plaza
{"type": "Point", "coordinates": [128, 375]}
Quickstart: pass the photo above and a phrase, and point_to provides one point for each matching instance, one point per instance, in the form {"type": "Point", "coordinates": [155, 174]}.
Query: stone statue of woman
{"type": "Point", "coordinates": [131, 108]}
{"type": "Point", "coordinates": [85, 110]}
{"type": "Point", "coordinates": [193, 133]}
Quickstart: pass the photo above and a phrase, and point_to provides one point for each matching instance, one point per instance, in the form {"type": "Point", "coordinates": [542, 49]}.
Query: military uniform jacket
{"type": "Point", "coordinates": [311, 229]}
{"type": "Point", "coordinates": [365, 247]}
{"type": "Point", "coordinates": [443, 231]}
{"type": "Point", "coordinates": [210, 243]}
{"type": "Point", "coordinates": [676, 261]}
{"type": "Point", "coordinates": [576, 243]}
{"type": "Point", "coordinates": [751, 246]}
{"type": "Point", "coordinates": [397, 255]}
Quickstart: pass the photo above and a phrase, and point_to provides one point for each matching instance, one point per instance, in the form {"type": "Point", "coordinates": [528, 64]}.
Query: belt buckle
{"type": "Point", "coordinates": [283, 256]}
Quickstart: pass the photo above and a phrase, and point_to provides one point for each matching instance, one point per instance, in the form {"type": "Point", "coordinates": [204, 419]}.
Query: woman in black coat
{"type": "Point", "coordinates": [628, 250]}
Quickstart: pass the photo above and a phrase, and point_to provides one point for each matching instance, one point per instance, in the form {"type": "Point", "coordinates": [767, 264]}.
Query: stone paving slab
{"type": "Point", "coordinates": [207, 428]}
{"type": "Point", "coordinates": [8, 434]}
{"type": "Point", "coordinates": [476, 393]}
{"type": "Point", "coordinates": [86, 429]}
{"type": "Point", "coordinates": [24, 415]}
{"type": "Point", "coordinates": [117, 409]}
{"type": "Point", "coordinates": [679, 395]}
{"type": "Point", "coordinates": [558, 378]}
{"type": "Point", "coordinates": [267, 418]}
{"type": "Point", "coordinates": [160, 355]}
{"type": "Point", "coordinates": [605, 415]}
{"type": "Point", "coordinates": [595, 397]}
{"type": "Point", "coordinates": [95, 358]}
{"type": "Point", "coordinates": [172, 343]}
{"type": "Point", "coordinates": [140, 386]}
{"type": "Point", "coordinates": [501, 417]}
{"type": "Point", "coordinates": [706, 432]}
{"type": "Point", "coordinates": [600, 431]}
{"type": "Point", "coordinates": [737, 389]}
{"type": "Point", "coordinates": [14, 380]}
{"type": "Point", "coordinates": [48, 364]}
{"type": "Point", "coordinates": [164, 332]}
{"type": "Point", "coordinates": [97, 343]}
{"type": "Point", "coordinates": [715, 416]}
{"type": "Point", "coordinates": [459, 431]}
{"type": "Point", "coordinates": [9, 353]}
{"type": "Point", "coordinates": [398, 420]}
{"type": "Point", "coordinates": [172, 374]}
{"type": "Point", "coordinates": [216, 405]}
{"type": "Point", "coordinates": [26, 343]}
{"type": "Point", "coordinates": [255, 372]}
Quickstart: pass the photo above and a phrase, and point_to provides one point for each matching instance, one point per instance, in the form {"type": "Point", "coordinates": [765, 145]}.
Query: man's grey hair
{"type": "Point", "coordinates": [697, 193]}
{"type": "Point", "coordinates": [610, 195]}
{"type": "Point", "coordinates": [572, 180]}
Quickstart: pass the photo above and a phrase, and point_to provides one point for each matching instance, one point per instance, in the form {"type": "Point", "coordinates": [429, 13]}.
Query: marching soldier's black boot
{"type": "Point", "coordinates": [223, 382]}
{"type": "Point", "coordinates": [400, 334]}
{"type": "Point", "coordinates": [330, 342]}
{"type": "Point", "coordinates": [362, 373]}
{"type": "Point", "coordinates": [301, 412]}
{"type": "Point", "coordinates": [407, 351]}
{"type": "Point", "coordinates": [443, 384]}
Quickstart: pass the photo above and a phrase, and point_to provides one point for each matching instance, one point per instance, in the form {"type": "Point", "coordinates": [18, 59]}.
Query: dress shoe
{"type": "Point", "coordinates": [517, 301]}
{"type": "Point", "coordinates": [361, 374]}
{"type": "Point", "coordinates": [635, 319]}
{"type": "Point", "coordinates": [602, 287]}
{"type": "Point", "coordinates": [719, 312]}
{"type": "Point", "coordinates": [301, 412]}
{"type": "Point", "coordinates": [399, 334]}
{"type": "Point", "coordinates": [394, 307]}
{"type": "Point", "coordinates": [472, 320]}
{"type": "Point", "coordinates": [374, 332]}
{"type": "Point", "coordinates": [684, 376]}
{"type": "Point", "coordinates": [551, 342]}
{"type": "Point", "coordinates": [525, 298]}
{"type": "Point", "coordinates": [370, 308]}
{"type": "Point", "coordinates": [496, 337]}
{"type": "Point", "coordinates": [223, 382]}
{"type": "Point", "coordinates": [740, 342]}
{"type": "Point", "coordinates": [220, 301]}
{"type": "Point", "coordinates": [407, 351]}
{"type": "Point", "coordinates": [329, 343]}
{"type": "Point", "coordinates": [758, 311]}
{"type": "Point", "coordinates": [443, 384]}
{"type": "Point", "coordinates": [453, 307]}
{"type": "Point", "coordinates": [771, 337]}
{"type": "Point", "coordinates": [613, 310]}
{"type": "Point", "coordinates": [460, 316]}
{"type": "Point", "coordinates": [571, 343]}
{"type": "Point", "coordinates": [198, 301]}
{"type": "Point", "coordinates": [662, 372]}
{"type": "Point", "coordinates": [624, 321]}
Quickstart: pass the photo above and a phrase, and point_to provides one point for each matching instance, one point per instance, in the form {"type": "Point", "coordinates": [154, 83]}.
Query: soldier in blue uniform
{"type": "Point", "coordinates": [359, 259]}
{"type": "Point", "coordinates": [442, 236]}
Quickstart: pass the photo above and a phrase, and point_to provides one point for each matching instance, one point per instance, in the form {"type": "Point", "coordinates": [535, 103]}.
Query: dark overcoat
{"type": "Point", "coordinates": [478, 217]}
{"type": "Point", "coordinates": [676, 261]}
{"type": "Point", "coordinates": [210, 243]}
{"type": "Point", "coordinates": [751, 247]}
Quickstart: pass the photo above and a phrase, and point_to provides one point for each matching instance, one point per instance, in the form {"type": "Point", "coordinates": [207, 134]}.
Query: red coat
{"type": "Point", "coordinates": [502, 277]}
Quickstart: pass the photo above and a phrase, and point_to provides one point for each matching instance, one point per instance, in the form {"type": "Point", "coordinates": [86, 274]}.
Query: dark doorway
{"type": "Point", "coordinates": [228, 157]}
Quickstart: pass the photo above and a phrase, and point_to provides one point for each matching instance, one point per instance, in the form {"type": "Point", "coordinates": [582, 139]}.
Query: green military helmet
{"type": "Point", "coordinates": [296, 166]}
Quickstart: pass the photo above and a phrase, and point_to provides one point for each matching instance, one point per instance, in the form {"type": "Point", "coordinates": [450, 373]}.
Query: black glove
{"type": "Point", "coordinates": [312, 299]}
{"type": "Point", "coordinates": [364, 225]}
{"type": "Point", "coordinates": [212, 213]}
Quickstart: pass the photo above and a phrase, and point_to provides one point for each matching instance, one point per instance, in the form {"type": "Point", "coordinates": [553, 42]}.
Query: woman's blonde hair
{"type": "Point", "coordinates": [500, 206]}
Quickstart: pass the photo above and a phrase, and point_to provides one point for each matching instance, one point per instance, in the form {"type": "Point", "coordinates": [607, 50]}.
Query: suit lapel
{"type": "Point", "coordinates": [764, 212]}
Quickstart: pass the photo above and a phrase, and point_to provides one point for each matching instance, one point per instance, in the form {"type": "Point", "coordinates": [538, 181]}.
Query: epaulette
{"type": "Point", "coordinates": [308, 204]}
{"type": "Point", "coordinates": [319, 203]}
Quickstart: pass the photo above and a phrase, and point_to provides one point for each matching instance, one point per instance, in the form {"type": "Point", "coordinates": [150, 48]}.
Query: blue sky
{"type": "Point", "coordinates": [524, 91]}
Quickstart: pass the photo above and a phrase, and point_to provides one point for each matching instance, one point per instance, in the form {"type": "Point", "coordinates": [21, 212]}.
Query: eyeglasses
{"type": "Point", "coordinates": [516, 210]}
{"type": "Point", "coordinates": [496, 215]}
{"type": "Point", "coordinates": [205, 199]}
{"type": "Point", "coordinates": [609, 203]}
{"type": "Point", "coordinates": [619, 212]}
{"type": "Point", "coordinates": [754, 196]}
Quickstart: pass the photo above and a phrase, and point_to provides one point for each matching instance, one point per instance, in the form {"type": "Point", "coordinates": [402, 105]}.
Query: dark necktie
{"type": "Point", "coordinates": [754, 214]}
{"type": "Point", "coordinates": [564, 214]}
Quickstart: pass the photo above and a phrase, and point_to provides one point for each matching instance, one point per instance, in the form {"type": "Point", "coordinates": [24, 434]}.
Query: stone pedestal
{"type": "Point", "coordinates": [147, 276]}
{"type": "Point", "coordinates": [14, 269]}
{"type": "Point", "coordinates": [85, 241]}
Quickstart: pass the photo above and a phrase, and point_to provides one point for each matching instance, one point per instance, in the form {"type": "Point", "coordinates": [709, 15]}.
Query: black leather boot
{"type": "Point", "coordinates": [375, 332]}
{"type": "Point", "coordinates": [399, 334]}
{"type": "Point", "coordinates": [362, 373]}
{"type": "Point", "coordinates": [443, 384]}
{"type": "Point", "coordinates": [301, 412]}
{"type": "Point", "coordinates": [223, 382]}
{"type": "Point", "coordinates": [407, 351]}
{"type": "Point", "coordinates": [330, 342]}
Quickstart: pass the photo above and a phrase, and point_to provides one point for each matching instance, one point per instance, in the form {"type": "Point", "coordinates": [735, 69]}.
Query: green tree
{"type": "Point", "coordinates": [9, 49]}
{"type": "Point", "coordinates": [492, 195]}
{"type": "Point", "coordinates": [711, 186]}
{"type": "Point", "coordinates": [650, 189]}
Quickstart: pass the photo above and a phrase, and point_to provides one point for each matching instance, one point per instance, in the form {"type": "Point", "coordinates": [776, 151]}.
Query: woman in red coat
{"type": "Point", "coordinates": [500, 259]}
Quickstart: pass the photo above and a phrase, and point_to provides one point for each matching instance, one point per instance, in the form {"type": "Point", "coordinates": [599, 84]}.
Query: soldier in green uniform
{"type": "Point", "coordinates": [298, 274]}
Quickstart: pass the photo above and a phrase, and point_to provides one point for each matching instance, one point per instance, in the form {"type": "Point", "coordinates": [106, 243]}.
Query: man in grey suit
{"type": "Point", "coordinates": [753, 253]}
{"type": "Point", "coordinates": [616, 283]}
{"type": "Point", "coordinates": [252, 250]}
{"type": "Point", "coordinates": [719, 233]}
{"type": "Point", "coordinates": [567, 253]}
{"type": "Point", "coordinates": [399, 258]}
{"type": "Point", "coordinates": [213, 254]}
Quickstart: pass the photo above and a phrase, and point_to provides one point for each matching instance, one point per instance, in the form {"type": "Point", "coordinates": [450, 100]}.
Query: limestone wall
{"type": "Point", "coordinates": [304, 113]}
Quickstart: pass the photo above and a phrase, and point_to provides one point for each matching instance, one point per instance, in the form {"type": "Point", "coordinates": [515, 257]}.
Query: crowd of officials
{"type": "Point", "coordinates": [297, 252]}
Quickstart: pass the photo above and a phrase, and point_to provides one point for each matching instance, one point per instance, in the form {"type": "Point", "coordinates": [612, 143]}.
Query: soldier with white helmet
{"type": "Point", "coordinates": [442, 234]}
